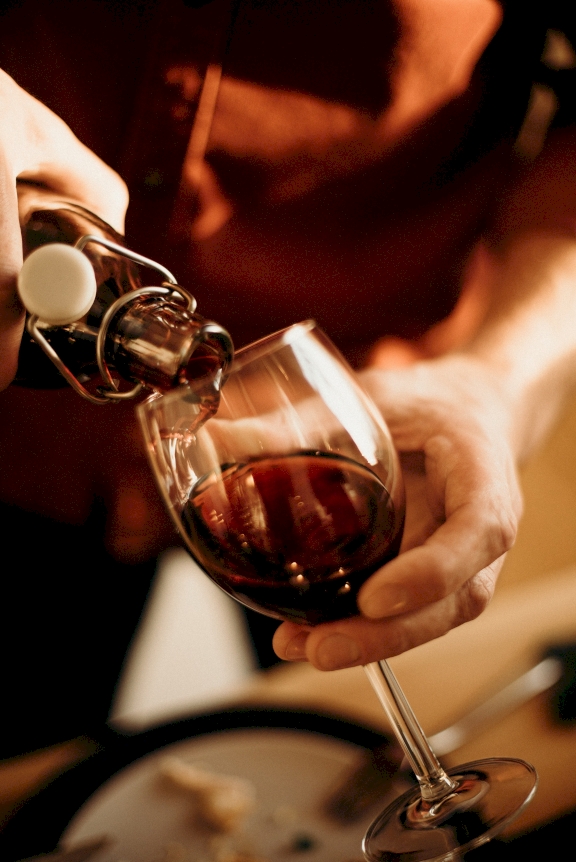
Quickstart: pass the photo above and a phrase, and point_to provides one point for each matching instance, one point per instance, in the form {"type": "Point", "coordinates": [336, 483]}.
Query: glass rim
{"type": "Point", "coordinates": [243, 357]}
{"type": "Point", "coordinates": [282, 337]}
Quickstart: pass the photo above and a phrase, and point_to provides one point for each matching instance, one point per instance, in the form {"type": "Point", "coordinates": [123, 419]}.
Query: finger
{"type": "Point", "coordinates": [289, 641]}
{"type": "Point", "coordinates": [69, 168]}
{"type": "Point", "coordinates": [430, 573]}
{"type": "Point", "coordinates": [11, 312]}
{"type": "Point", "coordinates": [481, 524]}
{"type": "Point", "coordinates": [358, 641]}
{"type": "Point", "coordinates": [39, 146]}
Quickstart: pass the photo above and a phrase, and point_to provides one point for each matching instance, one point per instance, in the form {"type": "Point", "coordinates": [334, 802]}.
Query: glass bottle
{"type": "Point", "coordinates": [131, 334]}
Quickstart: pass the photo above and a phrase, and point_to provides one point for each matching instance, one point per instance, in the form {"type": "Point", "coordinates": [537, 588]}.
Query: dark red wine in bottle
{"type": "Point", "coordinates": [293, 537]}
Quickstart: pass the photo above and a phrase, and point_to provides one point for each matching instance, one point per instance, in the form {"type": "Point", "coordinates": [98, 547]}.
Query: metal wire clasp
{"type": "Point", "coordinates": [110, 391]}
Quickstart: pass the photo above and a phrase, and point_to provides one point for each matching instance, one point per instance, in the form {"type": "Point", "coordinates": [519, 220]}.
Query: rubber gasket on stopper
{"type": "Point", "coordinates": [57, 283]}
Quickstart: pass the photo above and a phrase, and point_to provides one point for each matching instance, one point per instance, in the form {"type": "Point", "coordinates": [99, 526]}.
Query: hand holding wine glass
{"type": "Point", "coordinates": [451, 427]}
{"type": "Point", "coordinates": [290, 500]}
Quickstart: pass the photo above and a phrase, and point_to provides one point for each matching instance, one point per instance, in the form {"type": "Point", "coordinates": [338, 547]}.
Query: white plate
{"type": "Point", "coordinates": [293, 772]}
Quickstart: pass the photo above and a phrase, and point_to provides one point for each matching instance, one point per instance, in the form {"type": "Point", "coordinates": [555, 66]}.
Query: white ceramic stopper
{"type": "Point", "coordinates": [57, 283]}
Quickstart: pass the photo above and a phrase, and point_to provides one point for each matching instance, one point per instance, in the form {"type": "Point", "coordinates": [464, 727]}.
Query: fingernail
{"type": "Point", "coordinates": [296, 648]}
{"type": "Point", "coordinates": [386, 601]}
{"type": "Point", "coordinates": [337, 651]}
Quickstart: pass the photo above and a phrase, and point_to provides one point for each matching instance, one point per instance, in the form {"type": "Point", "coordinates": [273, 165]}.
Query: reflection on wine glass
{"type": "Point", "coordinates": [290, 498]}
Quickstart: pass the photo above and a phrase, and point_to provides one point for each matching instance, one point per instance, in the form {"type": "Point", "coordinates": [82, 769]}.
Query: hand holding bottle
{"type": "Point", "coordinates": [36, 146]}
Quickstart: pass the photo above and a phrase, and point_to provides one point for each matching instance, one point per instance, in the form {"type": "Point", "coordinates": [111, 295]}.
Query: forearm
{"type": "Point", "coordinates": [527, 341]}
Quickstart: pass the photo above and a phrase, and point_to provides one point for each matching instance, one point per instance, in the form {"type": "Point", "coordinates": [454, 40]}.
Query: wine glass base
{"type": "Point", "coordinates": [489, 794]}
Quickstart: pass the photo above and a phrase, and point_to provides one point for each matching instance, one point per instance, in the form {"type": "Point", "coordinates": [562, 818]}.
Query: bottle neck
{"type": "Point", "coordinates": [156, 342]}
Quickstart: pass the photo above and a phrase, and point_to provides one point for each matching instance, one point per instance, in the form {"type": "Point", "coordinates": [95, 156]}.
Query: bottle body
{"type": "Point", "coordinates": [132, 335]}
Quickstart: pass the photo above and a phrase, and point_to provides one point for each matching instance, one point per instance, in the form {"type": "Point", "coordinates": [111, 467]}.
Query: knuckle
{"type": "Point", "coordinates": [120, 187]}
{"type": "Point", "coordinates": [397, 639]}
{"type": "Point", "coordinates": [475, 596]}
{"type": "Point", "coordinates": [507, 535]}
{"type": "Point", "coordinates": [508, 530]}
{"type": "Point", "coordinates": [400, 634]}
{"type": "Point", "coordinates": [501, 529]}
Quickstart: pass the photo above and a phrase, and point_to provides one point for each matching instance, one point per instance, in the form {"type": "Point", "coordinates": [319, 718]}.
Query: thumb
{"type": "Point", "coordinates": [11, 311]}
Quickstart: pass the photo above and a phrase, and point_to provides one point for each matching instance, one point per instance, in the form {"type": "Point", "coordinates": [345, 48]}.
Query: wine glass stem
{"type": "Point", "coordinates": [433, 780]}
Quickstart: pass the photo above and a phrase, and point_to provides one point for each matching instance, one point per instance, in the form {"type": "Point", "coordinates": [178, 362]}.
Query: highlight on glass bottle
{"type": "Point", "coordinates": [93, 322]}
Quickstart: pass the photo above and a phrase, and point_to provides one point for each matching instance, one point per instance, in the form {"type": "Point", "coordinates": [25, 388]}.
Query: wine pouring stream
{"type": "Point", "coordinates": [290, 497]}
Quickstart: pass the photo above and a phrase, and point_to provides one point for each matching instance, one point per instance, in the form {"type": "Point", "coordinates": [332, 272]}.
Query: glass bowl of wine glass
{"type": "Point", "coordinates": [291, 495]}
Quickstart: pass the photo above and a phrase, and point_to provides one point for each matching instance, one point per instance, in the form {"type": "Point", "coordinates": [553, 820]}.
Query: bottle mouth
{"type": "Point", "coordinates": [210, 356]}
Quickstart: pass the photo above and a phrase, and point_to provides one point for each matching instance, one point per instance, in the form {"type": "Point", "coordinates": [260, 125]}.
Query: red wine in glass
{"type": "Point", "coordinates": [294, 536]}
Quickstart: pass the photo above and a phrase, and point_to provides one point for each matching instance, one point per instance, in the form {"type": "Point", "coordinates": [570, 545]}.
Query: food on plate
{"type": "Point", "coordinates": [221, 802]}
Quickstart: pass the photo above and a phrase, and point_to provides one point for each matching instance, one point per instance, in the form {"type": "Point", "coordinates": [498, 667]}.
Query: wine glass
{"type": "Point", "coordinates": [289, 498]}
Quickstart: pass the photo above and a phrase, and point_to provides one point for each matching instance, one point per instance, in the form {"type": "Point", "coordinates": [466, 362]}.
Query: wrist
{"type": "Point", "coordinates": [527, 341]}
{"type": "Point", "coordinates": [458, 387]}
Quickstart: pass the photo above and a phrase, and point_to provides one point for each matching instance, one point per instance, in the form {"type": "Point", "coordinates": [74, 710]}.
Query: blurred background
{"type": "Point", "coordinates": [193, 650]}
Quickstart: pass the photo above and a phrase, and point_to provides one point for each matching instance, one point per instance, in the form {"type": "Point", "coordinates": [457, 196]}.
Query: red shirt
{"type": "Point", "coordinates": [356, 153]}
